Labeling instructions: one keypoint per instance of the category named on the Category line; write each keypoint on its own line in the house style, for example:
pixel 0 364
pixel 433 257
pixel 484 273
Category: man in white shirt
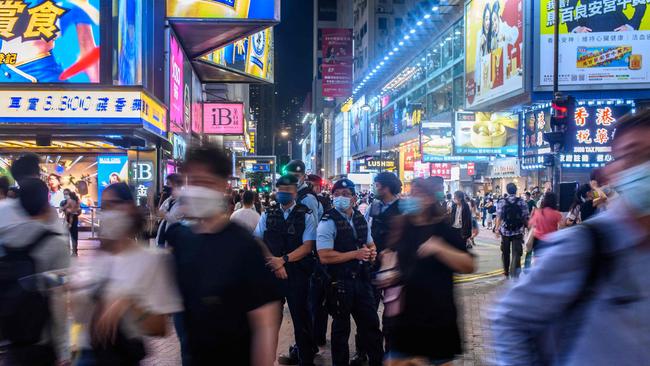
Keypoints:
pixel 246 216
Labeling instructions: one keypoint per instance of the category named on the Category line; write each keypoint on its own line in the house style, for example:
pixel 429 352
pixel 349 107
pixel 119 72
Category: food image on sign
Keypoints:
pixel 486 133
pixel 49 42
pixel 604 56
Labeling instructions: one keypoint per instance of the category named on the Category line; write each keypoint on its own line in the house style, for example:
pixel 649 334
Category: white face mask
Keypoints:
pixel 201 203
pixel 113 224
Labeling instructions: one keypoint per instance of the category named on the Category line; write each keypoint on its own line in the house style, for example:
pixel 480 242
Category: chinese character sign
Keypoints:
pixel 223 118
pixel 337 62
pixel 49 41
pixel 494 31
pixel 176 90
pixel 601 42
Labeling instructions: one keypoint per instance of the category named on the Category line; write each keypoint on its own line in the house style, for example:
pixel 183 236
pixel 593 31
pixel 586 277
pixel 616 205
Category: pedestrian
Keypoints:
pixel 289 233
pixel 461 216
pixel 586 300
pixel 131 292
pixel 345 245
pixel 600 189
pixel 543 222
pixel 4 187
pixel 56 192
pixel 72 209
pixel 317 187
pixel 484 209
pixel 33 319
pixel 247 215
pixel 231 299
pixel 169 210
pixel 582 207
pixel 306 194
pixel 429 252
pixel 512 219
pixel 530 202
pixel 492 213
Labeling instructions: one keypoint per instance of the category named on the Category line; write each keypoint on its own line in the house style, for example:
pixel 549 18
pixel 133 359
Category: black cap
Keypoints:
pixel 287 180
pixel 343 183
pixel 296 166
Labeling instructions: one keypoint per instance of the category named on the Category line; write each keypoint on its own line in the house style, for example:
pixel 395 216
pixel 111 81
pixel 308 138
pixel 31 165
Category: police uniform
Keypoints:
pixel 283 231
pixel 350 291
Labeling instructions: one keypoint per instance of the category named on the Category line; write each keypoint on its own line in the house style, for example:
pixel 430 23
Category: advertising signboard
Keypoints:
pixel 223 118
pixel 176 90
pixel 197 107
pixel 337 62
pixel 49 42
pixel 252 55
pixel 483 133
pixel 589 135
pixel 82 107
pixel 111 169
pixel 129 43
pixel 376 163
pixel 494 49
pixel 261 168
pixel 437 144
pixel 224 9
pixel 441 170
pixel 601 42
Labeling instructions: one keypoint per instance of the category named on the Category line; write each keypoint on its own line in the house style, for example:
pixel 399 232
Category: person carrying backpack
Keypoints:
pixel 32 308
pixel 586 300
pixel 512 219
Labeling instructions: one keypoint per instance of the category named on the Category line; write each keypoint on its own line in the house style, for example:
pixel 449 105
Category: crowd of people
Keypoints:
pixel 224 264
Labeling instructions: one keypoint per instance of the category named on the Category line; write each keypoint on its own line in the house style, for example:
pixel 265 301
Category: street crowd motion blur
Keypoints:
pixel 223 263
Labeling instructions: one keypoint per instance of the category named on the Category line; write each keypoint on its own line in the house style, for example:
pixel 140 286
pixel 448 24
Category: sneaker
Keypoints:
pixel 291 358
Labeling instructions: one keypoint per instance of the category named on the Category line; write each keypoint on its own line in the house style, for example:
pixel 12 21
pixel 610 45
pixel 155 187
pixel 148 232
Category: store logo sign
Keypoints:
pixel 223 118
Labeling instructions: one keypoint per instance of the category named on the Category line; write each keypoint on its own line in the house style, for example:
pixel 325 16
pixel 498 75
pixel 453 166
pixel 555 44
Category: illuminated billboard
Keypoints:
pixel 224 9
pixel 223 118
pixel 602 42
pixel 252 55
pixel 494 49
pixel 49 42
pixel 485 133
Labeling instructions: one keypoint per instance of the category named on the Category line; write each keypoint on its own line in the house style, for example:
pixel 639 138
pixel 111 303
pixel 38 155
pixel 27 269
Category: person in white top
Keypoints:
pixel 246 216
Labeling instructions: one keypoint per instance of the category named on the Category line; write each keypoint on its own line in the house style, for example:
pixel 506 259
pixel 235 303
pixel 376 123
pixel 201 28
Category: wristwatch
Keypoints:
pixel 285 258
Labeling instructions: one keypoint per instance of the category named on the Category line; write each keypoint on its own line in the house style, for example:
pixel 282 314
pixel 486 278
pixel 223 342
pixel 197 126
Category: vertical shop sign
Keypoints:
pixel 337 62
pixel 176 99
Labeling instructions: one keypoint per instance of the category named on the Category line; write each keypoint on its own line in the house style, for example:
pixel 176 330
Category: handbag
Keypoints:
pixel 388 278
pixel 529 240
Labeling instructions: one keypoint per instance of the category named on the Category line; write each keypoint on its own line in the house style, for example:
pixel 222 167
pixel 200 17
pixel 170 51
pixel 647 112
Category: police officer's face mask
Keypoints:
pixel 342 203
pixel 284 198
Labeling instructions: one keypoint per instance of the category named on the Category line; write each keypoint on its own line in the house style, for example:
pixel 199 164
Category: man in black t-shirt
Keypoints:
pixel 230 297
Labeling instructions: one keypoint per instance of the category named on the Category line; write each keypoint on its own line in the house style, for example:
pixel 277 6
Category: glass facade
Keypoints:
pixel 431 84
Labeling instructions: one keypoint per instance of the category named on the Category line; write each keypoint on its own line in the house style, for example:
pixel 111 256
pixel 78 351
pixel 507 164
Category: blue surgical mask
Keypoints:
pixel 284 198
pixel 440 196
pixel 633 185
pixel 410 205
pixel 342 203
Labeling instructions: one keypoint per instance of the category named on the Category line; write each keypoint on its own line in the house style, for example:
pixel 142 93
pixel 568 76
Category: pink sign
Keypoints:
pixel 337 62
pixel 176 107
pixel 223 118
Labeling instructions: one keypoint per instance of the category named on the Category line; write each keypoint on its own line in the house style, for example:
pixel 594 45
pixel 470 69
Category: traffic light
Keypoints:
pixel 282 164
pixel 563 109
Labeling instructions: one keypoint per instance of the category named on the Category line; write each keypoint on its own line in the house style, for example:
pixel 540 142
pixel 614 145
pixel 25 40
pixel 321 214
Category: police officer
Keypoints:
pixel 306 194
pixel 317 186
pixel 288 229
pixel 345 245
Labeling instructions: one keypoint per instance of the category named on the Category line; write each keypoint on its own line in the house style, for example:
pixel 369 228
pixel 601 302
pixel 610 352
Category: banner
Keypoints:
pixel 176 90
pixel 252 55
pixel 337 62
pixel 223 118
pixel 441 170
pixel 224 9
pixel 49 42
pixel 437 144
pixel 493 49
pixel 601 42
pixel 111 169
pixel 588 137
pixel 484 133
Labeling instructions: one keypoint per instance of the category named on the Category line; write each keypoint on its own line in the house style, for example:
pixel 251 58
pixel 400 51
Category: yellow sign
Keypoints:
pixel 223 9
pixel 154 114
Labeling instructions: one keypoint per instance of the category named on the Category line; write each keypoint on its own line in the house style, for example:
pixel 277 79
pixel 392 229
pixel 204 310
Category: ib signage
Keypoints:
pixel 223 118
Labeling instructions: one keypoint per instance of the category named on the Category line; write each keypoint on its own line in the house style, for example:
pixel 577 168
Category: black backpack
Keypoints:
pixel 512 216
pixel 24 309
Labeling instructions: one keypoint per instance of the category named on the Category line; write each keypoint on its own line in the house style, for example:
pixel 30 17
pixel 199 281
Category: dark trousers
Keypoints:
pixel 179 326
pixel 360 303
pixel 74 232
pixel 296 293
pixel 318 309
pixel 33 355
pixel 511 251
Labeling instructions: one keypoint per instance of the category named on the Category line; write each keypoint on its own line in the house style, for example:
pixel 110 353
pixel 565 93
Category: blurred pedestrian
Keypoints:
pixel 306 194
pixel 345 245
pixel 247 215
pixel 131 291
pixel 461 216
pixel 530 202
pixel 582 207
pixel 4 187
pixel 429 252
pixel 586 300
pixel 169 210
pixel 512 219
pixel 544 221
pixel 32 310
pixel 289 233
pixel 231 298
pixel 72 209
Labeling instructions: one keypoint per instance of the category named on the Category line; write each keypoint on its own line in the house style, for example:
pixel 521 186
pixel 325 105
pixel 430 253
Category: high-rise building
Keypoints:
pixel 263 110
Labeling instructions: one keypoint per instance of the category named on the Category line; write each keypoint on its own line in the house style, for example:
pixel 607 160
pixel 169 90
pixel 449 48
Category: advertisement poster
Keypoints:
pixel 588 137
pixel 49 42
pixel 223 118
pixel 494 49
pixel 176 99
pixel 441 170
pixel 197 107
pixel 437 141
pixel 251 55
pixel 224 9
pixel 601 42
pixel 337 62
pixel 484 133
pixel 187 95
pixel 129 43
pixel 111 169
pixel 358 126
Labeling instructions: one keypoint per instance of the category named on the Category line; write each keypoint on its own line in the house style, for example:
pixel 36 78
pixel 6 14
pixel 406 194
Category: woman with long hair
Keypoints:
pixel 429 252
pixel 546 220
pixel 582 207
pixel 72 209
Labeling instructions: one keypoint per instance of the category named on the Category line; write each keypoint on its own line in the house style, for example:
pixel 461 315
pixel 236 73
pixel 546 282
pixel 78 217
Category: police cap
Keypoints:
pixel 343 183
pixel 287 180
pixel 296 166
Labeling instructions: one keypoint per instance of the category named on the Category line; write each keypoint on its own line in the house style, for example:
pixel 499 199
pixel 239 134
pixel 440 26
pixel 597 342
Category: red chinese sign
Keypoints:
pixel 441 170
pixel 471 169
pixel 337 62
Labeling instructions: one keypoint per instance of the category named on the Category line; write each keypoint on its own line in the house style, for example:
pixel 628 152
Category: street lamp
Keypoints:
pixel 283 134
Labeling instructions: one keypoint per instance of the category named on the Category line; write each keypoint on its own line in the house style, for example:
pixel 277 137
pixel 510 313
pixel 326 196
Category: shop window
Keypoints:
pixel 459 93
pixel 459 49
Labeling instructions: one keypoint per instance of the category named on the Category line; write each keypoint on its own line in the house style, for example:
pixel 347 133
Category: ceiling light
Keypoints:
pixel 435 8
pixel 419 22
pixel 391 53
pixel 427 16
pixel 401 43
pixel 422 59
pixel 385 58
pixel 395 49
pixel 381 63
pixel 457 33
pixel 412 31
pixel 407 36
